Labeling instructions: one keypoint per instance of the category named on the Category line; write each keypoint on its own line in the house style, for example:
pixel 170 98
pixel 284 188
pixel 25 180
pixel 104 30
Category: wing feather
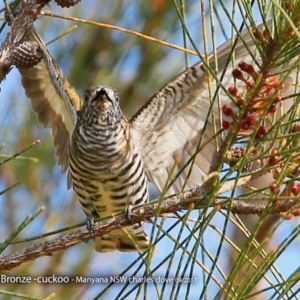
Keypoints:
pixel 171 125
pixel 53 100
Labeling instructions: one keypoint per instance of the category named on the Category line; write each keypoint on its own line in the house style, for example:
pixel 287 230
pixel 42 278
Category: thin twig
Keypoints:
pixel 121 29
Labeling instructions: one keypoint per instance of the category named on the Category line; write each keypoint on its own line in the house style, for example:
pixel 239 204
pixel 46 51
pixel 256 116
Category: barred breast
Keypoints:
pixel 105 168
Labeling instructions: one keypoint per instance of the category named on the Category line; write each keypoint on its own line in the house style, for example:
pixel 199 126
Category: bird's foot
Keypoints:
pixel 89 225
pixel 128 211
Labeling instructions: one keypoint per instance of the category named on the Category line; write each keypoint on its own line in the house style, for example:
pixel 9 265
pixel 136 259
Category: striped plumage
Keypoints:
pixel 105 167
pixel 106 150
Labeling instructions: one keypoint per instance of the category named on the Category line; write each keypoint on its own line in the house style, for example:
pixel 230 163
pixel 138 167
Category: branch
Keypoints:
pixel 20 25
pixel 24 19
pixel 182 201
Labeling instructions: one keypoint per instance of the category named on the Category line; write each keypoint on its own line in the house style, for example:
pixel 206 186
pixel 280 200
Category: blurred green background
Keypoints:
pixel 137 69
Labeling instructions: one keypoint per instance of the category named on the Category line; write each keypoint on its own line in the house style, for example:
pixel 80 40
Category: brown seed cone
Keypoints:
pixel 67 3
pixel 27 55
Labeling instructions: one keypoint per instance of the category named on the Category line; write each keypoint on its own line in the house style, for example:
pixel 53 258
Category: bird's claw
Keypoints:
pixel 89 225
pixel 128 210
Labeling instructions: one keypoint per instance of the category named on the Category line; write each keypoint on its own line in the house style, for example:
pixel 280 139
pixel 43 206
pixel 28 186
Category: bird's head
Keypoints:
pixel 100 102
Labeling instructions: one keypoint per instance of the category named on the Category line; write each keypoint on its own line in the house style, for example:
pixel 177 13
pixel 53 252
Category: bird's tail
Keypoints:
pixel 129 241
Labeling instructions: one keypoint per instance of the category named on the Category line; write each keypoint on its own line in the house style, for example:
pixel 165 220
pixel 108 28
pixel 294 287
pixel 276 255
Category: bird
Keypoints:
pixel 110 158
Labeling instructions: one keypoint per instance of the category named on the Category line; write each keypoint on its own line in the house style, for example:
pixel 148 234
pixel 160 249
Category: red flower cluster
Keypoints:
pixel 262 92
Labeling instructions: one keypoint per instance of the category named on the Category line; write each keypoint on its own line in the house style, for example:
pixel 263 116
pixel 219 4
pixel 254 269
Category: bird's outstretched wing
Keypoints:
pixel 52 98
pixel 171 124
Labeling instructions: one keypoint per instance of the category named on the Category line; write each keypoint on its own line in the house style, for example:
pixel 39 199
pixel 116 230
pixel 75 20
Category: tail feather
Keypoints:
pixel 118 240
